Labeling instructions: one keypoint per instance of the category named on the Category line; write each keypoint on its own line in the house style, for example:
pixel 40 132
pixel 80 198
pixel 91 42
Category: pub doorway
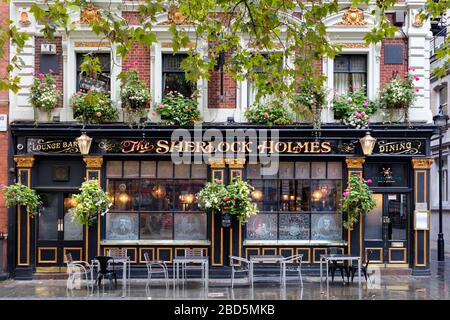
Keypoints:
pixel 386 229
pixel 57 234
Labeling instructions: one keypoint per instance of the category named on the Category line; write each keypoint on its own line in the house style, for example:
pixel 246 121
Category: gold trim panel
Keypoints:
pixel 93 161
pixel 374 261
pixel 355 163
pixel 309 254
pixel 216 162
pixel 146 249
pixel 397 261
pixel 422 163
pixel 72 249
pixel 158 255
pixel 54 249
pixel 24 161
pixel 314 254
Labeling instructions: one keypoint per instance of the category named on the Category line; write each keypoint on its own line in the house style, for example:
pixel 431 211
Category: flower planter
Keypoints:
pixel 42 116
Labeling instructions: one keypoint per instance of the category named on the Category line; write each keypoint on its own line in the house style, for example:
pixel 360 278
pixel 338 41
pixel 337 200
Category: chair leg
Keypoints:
pixel 232 278
pixel 365 273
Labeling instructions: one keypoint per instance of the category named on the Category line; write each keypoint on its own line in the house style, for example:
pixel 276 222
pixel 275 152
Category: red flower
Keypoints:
pixel 369 181
pixel 51 71
pixel 40 75
pixel 226 198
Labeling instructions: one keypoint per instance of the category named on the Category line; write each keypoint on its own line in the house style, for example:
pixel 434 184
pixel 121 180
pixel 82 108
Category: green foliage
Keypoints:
pixel 354 108
pixel 175 109
pixel 89 202
pixel 18 194
pixel 43 94
pixel 234 198
pixel 91 66
pixel 93 107
pixel 356 200
pixel 135 96
pixel 269 113
pixel 310 101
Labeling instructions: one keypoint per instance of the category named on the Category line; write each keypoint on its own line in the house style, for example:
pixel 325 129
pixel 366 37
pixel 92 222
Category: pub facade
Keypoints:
pixel 154 171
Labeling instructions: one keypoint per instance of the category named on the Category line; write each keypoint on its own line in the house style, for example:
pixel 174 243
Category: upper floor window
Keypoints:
pixel 102 82
pixel 443 98
pixel 350 73
pixel 173 77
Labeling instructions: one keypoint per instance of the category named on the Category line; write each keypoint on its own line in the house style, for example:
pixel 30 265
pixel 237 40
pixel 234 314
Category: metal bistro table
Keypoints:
pixel 185 260
pixel 266 259
pixel 126 267
pixel 339 257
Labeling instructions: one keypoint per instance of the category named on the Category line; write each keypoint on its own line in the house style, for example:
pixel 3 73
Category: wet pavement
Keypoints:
pixel 379 287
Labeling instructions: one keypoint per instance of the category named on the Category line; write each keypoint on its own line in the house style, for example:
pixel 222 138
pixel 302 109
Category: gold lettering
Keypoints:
pixel 326 147
pixel 162 146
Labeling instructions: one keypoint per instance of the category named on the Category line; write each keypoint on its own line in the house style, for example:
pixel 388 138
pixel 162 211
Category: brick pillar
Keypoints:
pixel 354 236
pixel 420 257
pixel 92 233
pixel 25 245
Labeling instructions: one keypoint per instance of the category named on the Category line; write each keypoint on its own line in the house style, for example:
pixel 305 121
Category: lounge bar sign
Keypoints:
pixel 46 146
pixel 402 147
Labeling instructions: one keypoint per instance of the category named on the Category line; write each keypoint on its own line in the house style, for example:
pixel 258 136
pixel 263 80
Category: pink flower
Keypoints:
pixel 346 194
pixel 417 89
pixel 153 114
pixel 358 115
pixel 369 181
pixel 129 66
pixel 51 71
pixel 412 69
pixel 40 75
pixel 98 114
pixel 226 198
pixel 416 78
pixel 366 103
pixel 135 63
pixel 161 106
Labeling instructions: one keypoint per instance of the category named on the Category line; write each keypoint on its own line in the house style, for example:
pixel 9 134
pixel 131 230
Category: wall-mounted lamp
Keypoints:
pixel 367 144
pixel 256 195
pixel 84 143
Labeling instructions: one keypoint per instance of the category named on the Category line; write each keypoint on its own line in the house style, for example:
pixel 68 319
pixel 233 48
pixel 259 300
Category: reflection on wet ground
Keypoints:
pixel 379 287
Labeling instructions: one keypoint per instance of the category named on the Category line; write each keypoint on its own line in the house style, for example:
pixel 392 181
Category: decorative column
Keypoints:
pixel 236 168
pixel 217 166
pixel 92 234
pixel 421 240
pixel 25 223
pixel 354 238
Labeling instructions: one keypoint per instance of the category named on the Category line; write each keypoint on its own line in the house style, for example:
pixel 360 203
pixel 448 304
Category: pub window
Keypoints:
pixel 350 73
pixel 173 77
pixel 155 200
pixel 103 81
pixel 300 202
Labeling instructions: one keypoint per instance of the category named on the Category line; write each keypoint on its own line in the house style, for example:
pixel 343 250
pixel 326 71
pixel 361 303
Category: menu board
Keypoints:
pixel 99 84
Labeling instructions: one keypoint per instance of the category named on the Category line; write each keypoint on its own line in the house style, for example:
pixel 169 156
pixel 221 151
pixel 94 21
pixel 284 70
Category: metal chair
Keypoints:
pixel 239 265
pixel 76 270
pixel 364 268
pixel 337 264
pixel 116 254
pixel 293 263
pixel 192 266
pixel 155 267
pixel 104 272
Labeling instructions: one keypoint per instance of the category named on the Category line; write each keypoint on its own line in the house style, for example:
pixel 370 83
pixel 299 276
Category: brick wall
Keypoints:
pixel 131 17
pixel 4 14
pixel 388 71
pixel 37 59
pixel 139 55
pixel 228 99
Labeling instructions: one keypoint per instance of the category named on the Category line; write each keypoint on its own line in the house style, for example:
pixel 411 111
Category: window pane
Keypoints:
pixel 72 229
pixel 114 169
pixel 358 63
pixel 173 62
pixel 265 194
pixel 286 170
pixel 199 171
pixel 121 226
pixel 165 169
pixel 190 226
pixel 148 169
pixel 334 170
pixel 325 195
pixel 156 226
pixel 397 205
pixel 302 170
pixel 372 221
pixel 290 198
pixel 341 83
pixel 294 226
pixel 177 82
pixel 262 227
pixel 182 171
pixel 341 64
pixel 253 171
pixel 318 170
pixel 326 227
pixel 48 220
pixel 156 195
pixel 184 194
pixel 131 169
pixel 126 195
